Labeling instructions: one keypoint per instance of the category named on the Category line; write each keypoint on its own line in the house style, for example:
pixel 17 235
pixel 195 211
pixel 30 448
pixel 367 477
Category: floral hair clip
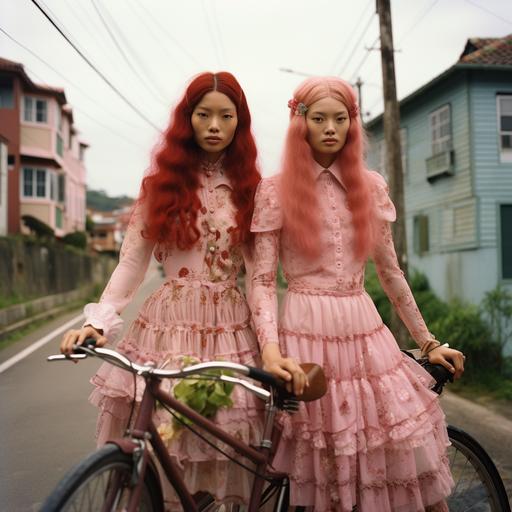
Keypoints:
pixel 354 111
pixel 298 108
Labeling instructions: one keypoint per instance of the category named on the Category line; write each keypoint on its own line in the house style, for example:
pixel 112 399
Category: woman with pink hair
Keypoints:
pixel 377 440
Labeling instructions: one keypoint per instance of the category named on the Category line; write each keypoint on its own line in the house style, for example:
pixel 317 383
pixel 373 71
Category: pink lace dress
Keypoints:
pixel 198 312
pixel 377 440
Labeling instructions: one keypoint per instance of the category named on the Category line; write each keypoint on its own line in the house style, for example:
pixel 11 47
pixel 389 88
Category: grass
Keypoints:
pixel 32 326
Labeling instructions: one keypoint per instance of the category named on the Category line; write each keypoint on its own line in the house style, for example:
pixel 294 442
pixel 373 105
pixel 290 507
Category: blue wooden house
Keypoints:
pixel 456 134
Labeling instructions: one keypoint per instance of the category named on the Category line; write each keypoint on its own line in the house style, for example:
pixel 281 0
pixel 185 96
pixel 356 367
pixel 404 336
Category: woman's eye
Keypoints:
pixel 317 119
pixel 341 119
pixel 228 116
pixel 202 115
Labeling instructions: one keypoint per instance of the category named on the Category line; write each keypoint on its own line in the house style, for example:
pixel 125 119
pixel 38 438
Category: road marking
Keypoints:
pixel 38 344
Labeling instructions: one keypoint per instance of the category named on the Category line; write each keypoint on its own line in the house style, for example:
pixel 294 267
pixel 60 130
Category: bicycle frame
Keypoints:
pixel 144 425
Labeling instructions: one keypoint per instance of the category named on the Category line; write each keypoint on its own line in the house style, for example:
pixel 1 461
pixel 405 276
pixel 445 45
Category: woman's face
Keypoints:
pixel 214 122
pixel 328 122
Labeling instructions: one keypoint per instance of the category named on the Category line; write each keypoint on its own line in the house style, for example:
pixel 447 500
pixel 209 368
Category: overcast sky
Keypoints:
pixel 166 42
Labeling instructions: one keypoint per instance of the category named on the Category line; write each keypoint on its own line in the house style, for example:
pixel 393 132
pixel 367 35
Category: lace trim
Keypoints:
pixel 360 374
pixel 306 290
pixel 192 327
pixel 327 337
pixel 127 347
pixel 198 282
pixel 407 483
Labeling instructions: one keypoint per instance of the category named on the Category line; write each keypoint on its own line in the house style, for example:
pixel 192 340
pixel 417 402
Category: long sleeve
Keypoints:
pixel 263 295
pixel 266 224
pixel 129 273
pixel 390 275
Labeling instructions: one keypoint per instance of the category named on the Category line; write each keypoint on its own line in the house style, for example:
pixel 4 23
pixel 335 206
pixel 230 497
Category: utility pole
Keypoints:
pixel 393 153
pixel 359 85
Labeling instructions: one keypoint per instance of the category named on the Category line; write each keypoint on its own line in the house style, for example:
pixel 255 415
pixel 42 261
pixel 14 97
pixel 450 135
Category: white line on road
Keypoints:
pixel 38 344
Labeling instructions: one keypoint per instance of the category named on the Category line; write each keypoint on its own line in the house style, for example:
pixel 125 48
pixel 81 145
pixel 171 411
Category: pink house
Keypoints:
pixel 46 171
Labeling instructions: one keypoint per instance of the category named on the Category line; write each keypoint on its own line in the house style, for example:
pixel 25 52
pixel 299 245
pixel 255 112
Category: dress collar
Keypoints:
pixel 334 170
pixel 214 173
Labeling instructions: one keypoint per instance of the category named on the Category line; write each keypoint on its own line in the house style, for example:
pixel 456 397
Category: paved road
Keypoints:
pixel 491 430
pixel 47 424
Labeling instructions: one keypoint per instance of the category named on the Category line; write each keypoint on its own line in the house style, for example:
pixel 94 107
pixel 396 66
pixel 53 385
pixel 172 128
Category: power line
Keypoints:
pixel 150 31
pixel 363 33
pixel 124 55
pixel 346 43
pixel 418 20
pixel 76 86
pixel 96 70
pixel 489 12
pixel 168 34
pixel 83 112
pixel 363 60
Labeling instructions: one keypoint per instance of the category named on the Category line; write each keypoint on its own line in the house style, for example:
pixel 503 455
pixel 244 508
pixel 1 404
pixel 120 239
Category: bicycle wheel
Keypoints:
pixel 478 485
pixel 101 482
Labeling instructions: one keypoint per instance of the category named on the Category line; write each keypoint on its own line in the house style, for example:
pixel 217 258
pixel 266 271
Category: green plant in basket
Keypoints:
pixel 203 395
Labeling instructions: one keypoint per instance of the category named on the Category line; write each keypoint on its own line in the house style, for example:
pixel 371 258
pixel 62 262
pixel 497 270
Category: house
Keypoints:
pixel 456 134
pixel 109 229
pixel 46 170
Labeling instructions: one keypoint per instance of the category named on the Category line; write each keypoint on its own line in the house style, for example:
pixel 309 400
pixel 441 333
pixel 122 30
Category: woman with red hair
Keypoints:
pixel 194 215
pixel 376 442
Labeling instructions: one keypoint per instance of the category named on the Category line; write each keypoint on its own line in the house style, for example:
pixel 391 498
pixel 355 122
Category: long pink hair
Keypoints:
pixel 301 212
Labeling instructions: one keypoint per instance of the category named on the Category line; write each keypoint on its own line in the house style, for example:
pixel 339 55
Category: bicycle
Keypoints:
pixel 123 476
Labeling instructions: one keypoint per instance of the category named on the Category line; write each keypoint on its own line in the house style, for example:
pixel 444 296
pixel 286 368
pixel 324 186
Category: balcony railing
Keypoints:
pixel 441 164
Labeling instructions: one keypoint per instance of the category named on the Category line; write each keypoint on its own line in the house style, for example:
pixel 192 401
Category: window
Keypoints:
pixel 441 130
pixel 28 182
pixel 506 240
pixel 420 231
pixel 505 126
pixel 6 93
pixel 61 188
pixel 35 110
pixel 40 183
pixel 58 118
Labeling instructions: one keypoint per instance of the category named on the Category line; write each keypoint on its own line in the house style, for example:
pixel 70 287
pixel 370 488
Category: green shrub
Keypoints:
pixel 38 227
pixel 76 239
pixel 464 328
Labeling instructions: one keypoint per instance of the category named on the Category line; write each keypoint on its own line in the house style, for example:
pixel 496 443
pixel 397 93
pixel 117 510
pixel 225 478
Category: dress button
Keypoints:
pixel 209 173
pixel 338 249
pixel 337 234
pixel 212 210
pixel 211 248
pixel 210 190
pixel 338 264
pixel 212 230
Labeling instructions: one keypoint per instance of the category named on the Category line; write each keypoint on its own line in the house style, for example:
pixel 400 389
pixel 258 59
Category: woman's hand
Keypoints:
pixel 284 368
pixel 450 358
pixel 78 336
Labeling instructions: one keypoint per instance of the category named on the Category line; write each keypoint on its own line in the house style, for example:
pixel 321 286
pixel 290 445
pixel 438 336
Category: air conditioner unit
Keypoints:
pixel 441 164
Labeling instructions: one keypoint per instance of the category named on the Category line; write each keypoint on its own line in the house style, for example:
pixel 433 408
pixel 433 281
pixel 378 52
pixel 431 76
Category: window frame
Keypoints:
pixel 440 143
pixel 34 110
pixel 500 224
pixel 50 184
pixel 505 156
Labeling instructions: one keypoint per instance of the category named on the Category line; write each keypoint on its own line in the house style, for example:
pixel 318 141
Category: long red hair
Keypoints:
pixel 301 213
pixel 169 192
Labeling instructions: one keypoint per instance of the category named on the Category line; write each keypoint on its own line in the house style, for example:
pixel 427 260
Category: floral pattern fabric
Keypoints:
pixel 377 439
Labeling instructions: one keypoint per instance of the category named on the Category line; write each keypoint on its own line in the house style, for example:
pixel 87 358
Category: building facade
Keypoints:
pixel 46 169
pixel 456 134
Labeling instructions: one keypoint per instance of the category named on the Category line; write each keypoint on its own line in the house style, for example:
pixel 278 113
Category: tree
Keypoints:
pixel 38 227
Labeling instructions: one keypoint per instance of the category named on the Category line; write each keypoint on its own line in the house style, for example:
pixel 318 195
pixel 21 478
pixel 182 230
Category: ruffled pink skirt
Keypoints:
pixel 378 438
pixel 205 321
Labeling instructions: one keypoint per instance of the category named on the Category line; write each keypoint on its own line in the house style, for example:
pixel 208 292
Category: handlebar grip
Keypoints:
pixel 88 343
pixel 264 377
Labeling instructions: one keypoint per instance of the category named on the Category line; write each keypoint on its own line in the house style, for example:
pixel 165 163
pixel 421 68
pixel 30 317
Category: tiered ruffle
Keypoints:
pixel 206 323
pixel 378 437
